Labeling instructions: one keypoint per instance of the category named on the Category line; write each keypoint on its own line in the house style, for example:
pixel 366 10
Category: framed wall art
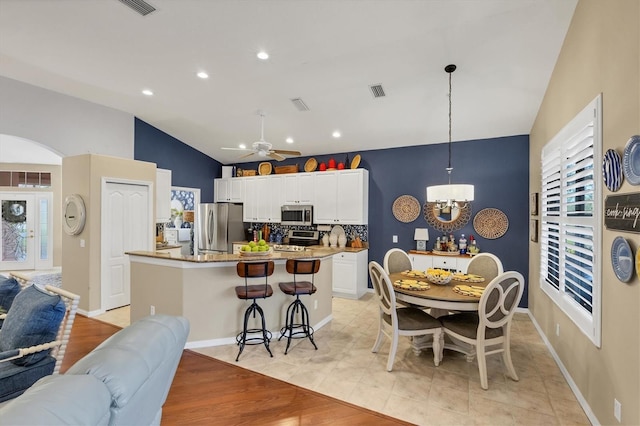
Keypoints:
pixel 533 204
pixel 533 230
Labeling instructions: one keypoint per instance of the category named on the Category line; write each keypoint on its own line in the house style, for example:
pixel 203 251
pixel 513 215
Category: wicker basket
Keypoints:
pixel 264 169
pixel 246 172
pixel 293 168
pixel 310 165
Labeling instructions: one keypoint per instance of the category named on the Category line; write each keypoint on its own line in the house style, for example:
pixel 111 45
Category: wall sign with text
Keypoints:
pixel 622 212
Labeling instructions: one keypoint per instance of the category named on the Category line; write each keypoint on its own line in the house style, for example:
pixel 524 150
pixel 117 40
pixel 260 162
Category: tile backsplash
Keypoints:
pixel 351 231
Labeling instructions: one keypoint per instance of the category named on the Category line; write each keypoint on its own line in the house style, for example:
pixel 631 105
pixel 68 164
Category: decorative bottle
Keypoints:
pixel 462 244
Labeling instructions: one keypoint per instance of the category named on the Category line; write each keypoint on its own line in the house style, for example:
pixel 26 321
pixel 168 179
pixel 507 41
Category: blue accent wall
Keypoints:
pixel 189 167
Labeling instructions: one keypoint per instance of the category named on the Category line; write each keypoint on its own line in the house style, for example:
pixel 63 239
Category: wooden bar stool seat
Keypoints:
pixel 254 270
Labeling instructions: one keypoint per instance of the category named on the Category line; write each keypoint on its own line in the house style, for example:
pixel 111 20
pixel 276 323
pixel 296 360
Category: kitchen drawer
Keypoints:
pixel 442 262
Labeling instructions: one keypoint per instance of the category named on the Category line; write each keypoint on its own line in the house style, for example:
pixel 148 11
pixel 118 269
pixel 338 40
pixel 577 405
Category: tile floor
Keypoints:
pixel 416 391
pixel 120 317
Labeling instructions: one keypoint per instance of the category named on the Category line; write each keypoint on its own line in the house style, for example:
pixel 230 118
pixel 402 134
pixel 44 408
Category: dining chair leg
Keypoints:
pixel 506 357
pixel 376 345
pixel 482 368
pixel 392 351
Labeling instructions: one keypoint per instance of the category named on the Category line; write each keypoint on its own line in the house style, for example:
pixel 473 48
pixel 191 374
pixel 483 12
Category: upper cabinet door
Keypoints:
pixel 228 190
pixel 342 197
pixel 236 190
pixel 325 207
pixel 298 188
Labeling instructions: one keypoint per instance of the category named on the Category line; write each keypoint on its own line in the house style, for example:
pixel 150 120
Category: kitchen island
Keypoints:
pixel 202 289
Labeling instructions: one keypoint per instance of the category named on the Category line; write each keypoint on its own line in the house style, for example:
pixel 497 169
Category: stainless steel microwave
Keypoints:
pixel 296 215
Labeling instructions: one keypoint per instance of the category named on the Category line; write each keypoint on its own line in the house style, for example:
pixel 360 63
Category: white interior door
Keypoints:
pixel 126 227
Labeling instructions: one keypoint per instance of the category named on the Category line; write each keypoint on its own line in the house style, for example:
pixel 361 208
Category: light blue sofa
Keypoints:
pixel 124 381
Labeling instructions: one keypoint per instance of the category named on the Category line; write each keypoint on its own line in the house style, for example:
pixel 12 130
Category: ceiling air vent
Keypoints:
pixel 299 103
pixel 140 6
pixel 377 90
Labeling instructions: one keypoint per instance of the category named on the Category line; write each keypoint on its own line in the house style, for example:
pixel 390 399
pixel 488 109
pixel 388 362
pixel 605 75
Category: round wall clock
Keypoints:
pixel 75 214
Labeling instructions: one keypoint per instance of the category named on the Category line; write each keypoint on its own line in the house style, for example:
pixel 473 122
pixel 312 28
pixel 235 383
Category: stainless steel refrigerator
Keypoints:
pixel 220 224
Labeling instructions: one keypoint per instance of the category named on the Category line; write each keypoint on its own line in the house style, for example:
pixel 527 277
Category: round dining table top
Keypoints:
pixel 437 295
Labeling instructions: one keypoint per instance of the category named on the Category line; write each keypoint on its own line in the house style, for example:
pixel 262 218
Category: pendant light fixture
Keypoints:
pixel 450 195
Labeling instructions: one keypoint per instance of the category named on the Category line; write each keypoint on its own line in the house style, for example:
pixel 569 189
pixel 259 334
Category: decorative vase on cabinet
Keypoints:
pixel 178 222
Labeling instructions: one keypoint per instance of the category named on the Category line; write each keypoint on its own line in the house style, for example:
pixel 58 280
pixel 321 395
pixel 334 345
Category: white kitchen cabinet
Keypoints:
pixel 228 190
pixel 262 199
pixel 341 197
pixel 163 195
pixel 454 263
pixel 298 188
pixel 350 276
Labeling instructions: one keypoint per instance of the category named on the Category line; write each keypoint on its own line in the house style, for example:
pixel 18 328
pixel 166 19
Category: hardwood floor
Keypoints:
pixel 206 391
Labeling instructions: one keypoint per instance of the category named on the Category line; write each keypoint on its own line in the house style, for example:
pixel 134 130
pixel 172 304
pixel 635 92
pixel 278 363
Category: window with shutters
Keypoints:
pixel 571 222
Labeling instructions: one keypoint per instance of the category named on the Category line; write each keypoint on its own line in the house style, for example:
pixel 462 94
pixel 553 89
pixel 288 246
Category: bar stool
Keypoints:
pixel 293 330
pixel 255 291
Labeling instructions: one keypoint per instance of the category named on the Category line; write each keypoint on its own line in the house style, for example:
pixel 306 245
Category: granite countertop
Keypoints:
pixel 311 252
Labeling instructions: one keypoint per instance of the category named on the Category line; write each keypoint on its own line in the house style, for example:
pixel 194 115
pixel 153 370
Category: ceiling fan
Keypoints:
pixel 264 149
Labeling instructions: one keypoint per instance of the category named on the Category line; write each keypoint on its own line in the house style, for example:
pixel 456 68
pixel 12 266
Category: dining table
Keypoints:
pixel 442 300
pixel 437 297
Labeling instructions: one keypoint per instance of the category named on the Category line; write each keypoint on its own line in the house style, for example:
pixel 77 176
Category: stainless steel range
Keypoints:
pixel 298 241
pixel 303 238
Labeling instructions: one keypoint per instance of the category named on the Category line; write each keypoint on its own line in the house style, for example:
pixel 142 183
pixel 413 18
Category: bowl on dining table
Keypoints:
pixel 439 276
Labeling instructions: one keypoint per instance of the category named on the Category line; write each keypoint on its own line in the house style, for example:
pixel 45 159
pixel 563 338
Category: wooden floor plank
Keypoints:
pixel 206 391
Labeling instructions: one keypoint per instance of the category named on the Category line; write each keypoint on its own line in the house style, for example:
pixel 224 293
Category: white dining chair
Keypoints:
pixel 487 265
pixel 394 322
pixel 396 260
pixel 489 331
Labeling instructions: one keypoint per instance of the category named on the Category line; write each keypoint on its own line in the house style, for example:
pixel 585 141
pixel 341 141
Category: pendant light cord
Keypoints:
pixel 449 69
pixel 450 123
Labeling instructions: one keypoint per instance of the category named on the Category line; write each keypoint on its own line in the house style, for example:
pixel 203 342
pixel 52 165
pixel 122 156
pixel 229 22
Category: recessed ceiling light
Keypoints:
pixel 336 134
pixel 289 140
pixel 263 55
pixel 242 146
pixel 203 75
pixel 147 92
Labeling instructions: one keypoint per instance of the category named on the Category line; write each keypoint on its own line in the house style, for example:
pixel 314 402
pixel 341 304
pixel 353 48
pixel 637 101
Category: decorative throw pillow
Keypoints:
pixel 34 319
pixel 9 288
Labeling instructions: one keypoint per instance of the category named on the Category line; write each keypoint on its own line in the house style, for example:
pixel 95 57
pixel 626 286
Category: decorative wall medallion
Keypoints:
pixel 491 223
pixel 406 208
pixel 449 221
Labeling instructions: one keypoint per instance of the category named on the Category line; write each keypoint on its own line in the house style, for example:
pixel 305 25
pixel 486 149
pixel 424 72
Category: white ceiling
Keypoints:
pixel 325 52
